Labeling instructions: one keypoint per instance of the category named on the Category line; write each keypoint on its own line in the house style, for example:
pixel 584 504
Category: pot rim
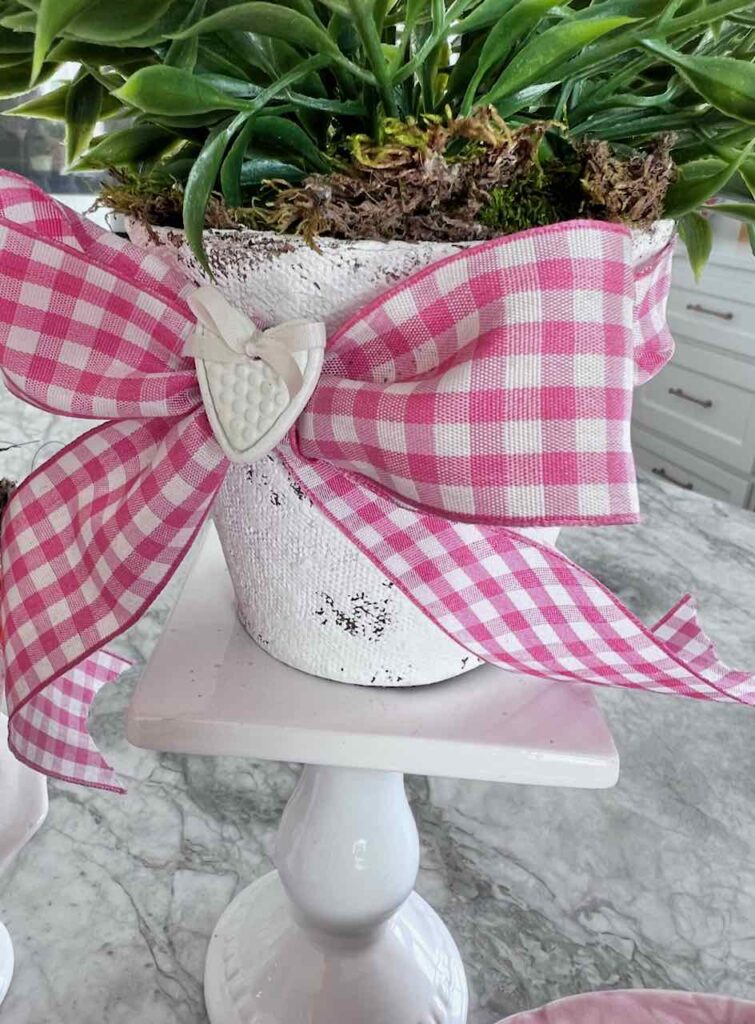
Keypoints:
pixel 664 228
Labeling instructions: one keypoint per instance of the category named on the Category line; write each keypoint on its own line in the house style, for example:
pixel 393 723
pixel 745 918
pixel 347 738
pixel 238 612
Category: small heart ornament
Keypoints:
pixel 254 383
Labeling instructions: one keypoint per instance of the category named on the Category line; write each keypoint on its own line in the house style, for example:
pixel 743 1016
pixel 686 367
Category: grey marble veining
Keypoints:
pixel 547 892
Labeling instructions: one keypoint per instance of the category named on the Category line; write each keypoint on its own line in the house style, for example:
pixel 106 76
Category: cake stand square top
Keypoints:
pixel 209 689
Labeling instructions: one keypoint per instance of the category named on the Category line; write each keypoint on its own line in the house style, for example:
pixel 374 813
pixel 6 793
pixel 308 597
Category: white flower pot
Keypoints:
pixel 305 592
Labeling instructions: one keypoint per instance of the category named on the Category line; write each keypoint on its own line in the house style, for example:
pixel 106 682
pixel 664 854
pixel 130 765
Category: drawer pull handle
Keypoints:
pixel 697 307
pixel 661 472
pixel 706 403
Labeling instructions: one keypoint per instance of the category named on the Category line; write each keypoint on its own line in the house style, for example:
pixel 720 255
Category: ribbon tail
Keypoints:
pixel 49 733
pixel 681 631
pixel 88 542
pixel 516 603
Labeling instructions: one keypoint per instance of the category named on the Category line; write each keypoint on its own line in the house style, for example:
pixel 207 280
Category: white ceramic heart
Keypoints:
pixel 249 406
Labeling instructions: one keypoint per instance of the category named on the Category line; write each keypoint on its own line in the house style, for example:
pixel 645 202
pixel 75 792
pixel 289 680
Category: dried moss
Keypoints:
pixel 158 202
pixel 631 189
pixel 441 180
pixel 417 184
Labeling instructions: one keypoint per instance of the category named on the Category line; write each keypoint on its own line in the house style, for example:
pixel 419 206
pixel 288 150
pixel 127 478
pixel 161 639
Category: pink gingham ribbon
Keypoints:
pixel 491 389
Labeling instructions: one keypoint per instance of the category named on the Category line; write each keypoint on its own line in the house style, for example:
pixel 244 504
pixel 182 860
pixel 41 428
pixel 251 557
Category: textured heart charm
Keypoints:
pixel 254 383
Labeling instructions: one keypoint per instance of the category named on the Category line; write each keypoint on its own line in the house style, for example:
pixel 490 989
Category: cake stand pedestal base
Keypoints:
pixel 337 934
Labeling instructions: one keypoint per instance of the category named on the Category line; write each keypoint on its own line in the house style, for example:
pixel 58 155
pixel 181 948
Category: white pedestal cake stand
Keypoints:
pixel 337 935
pixel 23 807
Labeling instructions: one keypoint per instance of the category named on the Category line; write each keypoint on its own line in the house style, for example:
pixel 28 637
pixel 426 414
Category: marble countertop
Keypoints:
pixel 547 892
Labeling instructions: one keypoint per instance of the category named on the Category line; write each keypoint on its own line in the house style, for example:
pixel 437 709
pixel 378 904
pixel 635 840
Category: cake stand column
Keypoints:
pixel 337 932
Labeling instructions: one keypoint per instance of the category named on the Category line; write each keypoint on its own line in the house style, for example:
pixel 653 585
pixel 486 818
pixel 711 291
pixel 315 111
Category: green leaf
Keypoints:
pixel 76 50
pixel 10 60
pixel 50 106
pixel 182 53
pixel 641 9
pixel 747 174
pixel 549 49
pixel 172 91
pixel 200 184
pixel 185 124
pixel 286 137
pixel 699 180
pixel 305 7
pixel 524 98
pixel 464 68
pixel 365 25
pixel 708 13
pixel 247 52
pixel 127 148
pixel 82 114
pixel 230 172
pixel 751 237
pixel 54 15
pixel 14 81
pixel 697 234
pixel 242 163
pixel 488 12
pixel 100 24
pixel 23 21
pixel 16 42
pixel 728 84
pixel 205 171
pixel 267 19
pixel 348 108
pixel 505 35
pixel 739 211
pixel 259 167
pixel 239 88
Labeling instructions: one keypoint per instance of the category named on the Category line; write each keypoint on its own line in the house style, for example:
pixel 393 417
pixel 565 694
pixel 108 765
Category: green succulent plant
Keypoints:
pixel 222 97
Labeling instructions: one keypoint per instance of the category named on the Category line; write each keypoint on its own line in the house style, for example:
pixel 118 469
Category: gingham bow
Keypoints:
pixel 491 389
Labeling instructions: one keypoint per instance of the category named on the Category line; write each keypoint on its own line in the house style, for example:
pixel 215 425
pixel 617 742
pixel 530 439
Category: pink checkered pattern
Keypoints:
pixel 92 326
pixel 517 603
pixel 496 386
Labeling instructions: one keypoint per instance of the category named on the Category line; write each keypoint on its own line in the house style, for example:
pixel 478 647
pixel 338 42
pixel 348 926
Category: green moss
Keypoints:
pixel 532 201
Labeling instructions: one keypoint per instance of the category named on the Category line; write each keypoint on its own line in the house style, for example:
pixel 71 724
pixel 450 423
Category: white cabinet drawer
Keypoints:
pixel 706 400
pixel 718 282
pixel 724 322
pixel 692 473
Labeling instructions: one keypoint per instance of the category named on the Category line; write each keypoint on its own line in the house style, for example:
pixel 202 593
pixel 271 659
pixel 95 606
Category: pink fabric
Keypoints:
pixel 520 604
pixel 640 1006
pixel 488 347
pixel 495 386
